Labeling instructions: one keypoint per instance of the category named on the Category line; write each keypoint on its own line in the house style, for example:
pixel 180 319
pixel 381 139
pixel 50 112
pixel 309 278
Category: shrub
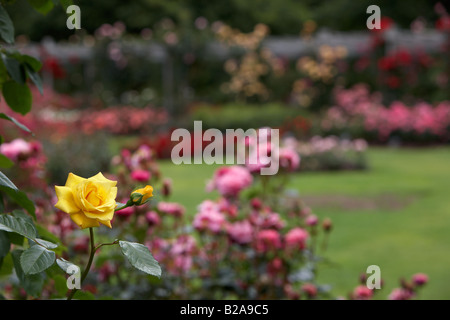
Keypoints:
pixel 244 116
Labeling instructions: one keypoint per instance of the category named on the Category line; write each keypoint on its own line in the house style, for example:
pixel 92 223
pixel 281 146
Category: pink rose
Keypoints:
pixel 211 220
pixel 152 218
pixel 172 208
pixel 15 148
pixel 289 159
pixel 310 290
pixel 420 279
pixel 230 181
pixel 400 294
pixel 140 175
pixel 241 232
pixel 296 238
pixel 362 293
pixel 267 240
pixel 311 220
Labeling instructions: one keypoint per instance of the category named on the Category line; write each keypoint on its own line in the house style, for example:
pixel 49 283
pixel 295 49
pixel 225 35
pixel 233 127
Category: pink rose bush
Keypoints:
pixel 248 240
pixel 358 109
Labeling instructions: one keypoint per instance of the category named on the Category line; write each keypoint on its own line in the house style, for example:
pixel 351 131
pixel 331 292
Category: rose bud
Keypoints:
pixel 327 224
pixel 167 187
pixel 141 196
pixel 419 279
pixel 311 220
pixel 256 203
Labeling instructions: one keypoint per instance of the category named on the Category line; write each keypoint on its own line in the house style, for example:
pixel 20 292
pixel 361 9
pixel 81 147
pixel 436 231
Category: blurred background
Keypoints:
pixel 367 111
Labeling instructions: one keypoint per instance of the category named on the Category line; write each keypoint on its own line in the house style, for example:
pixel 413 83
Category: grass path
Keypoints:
pixel 404 230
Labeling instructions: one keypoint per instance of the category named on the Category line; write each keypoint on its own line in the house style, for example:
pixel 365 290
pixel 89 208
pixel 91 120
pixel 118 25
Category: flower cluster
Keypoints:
pixel 406 291
pixel 356 107
pixel 316 74
pixel 405 72
pixel 329 153
pixel 255 63
pixel 123 120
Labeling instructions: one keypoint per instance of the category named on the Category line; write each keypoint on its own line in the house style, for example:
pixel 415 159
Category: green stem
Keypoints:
pixel 106 244
pixel 128 204
pixel 88 266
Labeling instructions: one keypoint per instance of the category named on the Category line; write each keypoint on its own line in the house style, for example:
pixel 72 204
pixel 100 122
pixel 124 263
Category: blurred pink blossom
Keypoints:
pixel 231 180
pixel 152 218
pixel 289 159
pixel 240 232
pixel 400 294
pixel 311 220
pixel 209 218
pixel 420 279
pixel 140 175
pixel 362 293
pixel 267 240
pixel 296 238
pixel 171 208
pixel 14 149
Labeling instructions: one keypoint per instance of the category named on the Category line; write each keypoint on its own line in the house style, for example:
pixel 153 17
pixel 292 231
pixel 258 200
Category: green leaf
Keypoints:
pixel 21 199
pixel 34 76
pixel 140 257
pixel 42 6
pixel 17 96
pixel 20 214
pixel 60 284
pixel 19 225
pixel 46 244
pixel 5 162
pixel 47 235
pixel 65 265
pixel 34 63
pixel 16 238
pixel 6 26
pixel 31 283
pixel 13 65
pixel 6 265
pixel 83 295
pixel 17 123
pixel 16 195
pixel 36 259
pixel 66 3
pixel 5 244
pixel 5 182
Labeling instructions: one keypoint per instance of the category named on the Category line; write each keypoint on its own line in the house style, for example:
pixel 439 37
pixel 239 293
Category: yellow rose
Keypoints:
pixel 89 202
pixel 141 196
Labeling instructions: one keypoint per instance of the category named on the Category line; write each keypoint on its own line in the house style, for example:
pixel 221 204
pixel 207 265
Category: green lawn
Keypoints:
pixel 395 215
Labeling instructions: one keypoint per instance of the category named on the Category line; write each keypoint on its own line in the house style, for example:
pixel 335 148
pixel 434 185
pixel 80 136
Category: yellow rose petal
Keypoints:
pixel 113 193
pixel 106 223
pixel 66 201
pixel 100 216
pixel 73 180
pixel 84 222
pixel 99 177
